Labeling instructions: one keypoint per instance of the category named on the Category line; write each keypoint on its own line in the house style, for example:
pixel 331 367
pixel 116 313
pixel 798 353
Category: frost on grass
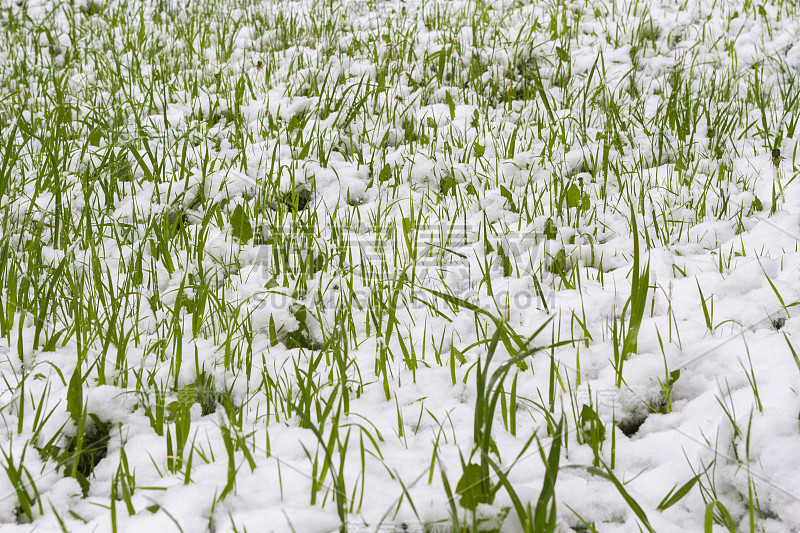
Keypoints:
pixel 375 266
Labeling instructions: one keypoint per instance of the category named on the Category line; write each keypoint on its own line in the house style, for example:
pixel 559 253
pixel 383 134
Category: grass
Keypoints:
pixel 324 241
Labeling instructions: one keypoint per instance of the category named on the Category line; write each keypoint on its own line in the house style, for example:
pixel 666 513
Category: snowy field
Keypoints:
pixel 363 266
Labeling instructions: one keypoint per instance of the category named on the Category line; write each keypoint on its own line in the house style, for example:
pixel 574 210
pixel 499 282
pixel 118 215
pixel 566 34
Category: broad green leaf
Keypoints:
pixel 505 193
pixel 586 203
pixel 306 149
pixel 558 264
pixel 589 416
pixel 470 487
pixel 95 137
pixel 550 230
pixel 448 184
pixel 273 334
pixel 408 226
pixel 505 262
pixel 173 408
pixel 386 173
pixel 242 229
pixel 187 395
pixel 451 104
pixel 75 395
pixel 573 196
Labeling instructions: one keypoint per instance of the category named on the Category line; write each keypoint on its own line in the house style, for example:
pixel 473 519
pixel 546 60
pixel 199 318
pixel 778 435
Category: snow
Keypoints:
pixel 401 208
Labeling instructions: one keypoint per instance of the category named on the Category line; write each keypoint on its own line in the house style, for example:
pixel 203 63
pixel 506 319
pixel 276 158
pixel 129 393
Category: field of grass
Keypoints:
pixel 372 266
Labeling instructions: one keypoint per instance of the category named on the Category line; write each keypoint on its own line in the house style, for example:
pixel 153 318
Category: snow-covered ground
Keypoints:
pixel 399 266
